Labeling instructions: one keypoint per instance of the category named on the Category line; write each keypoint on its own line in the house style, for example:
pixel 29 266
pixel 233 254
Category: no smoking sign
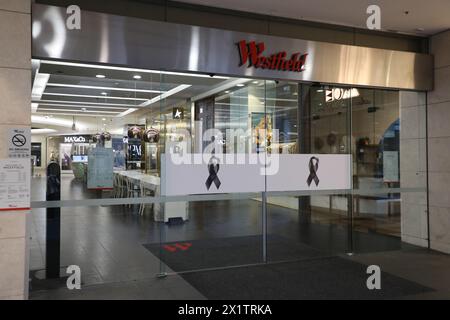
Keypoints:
pixel 20 142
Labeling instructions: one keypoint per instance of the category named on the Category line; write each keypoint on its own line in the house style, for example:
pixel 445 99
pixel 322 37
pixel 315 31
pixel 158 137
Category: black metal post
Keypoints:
pixel 53 231
pixel 304 143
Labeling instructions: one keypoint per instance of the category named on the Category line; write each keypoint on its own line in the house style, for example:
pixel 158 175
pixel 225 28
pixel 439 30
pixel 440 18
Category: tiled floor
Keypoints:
pixel 107 244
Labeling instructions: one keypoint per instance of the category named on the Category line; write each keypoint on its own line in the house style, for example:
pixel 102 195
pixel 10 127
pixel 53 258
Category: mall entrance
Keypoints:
pixel 180 159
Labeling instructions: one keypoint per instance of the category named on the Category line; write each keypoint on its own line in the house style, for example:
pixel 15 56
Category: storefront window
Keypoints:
pixel 144 119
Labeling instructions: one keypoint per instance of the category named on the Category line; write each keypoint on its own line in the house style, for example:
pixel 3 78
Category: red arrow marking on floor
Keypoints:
pixel 176 246
pixel 183 246
pixel 170 248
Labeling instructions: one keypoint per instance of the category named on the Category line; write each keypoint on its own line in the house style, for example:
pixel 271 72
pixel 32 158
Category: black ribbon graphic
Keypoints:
pixel 313 168
pixel 213 168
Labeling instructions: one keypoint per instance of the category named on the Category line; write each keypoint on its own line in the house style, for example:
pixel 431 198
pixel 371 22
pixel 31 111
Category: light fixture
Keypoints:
pixel 173 91
pixel 34 107
pixel 100 76
pixel 104 94
pixel 92 66
pixel 42 131
pixel 126 112
pixel 228 91
pixel 63 102
pixel 255 82
pixel 77 106
pixel 319 90
pixel 137 77
pixel 90 96
pixel 104 119
pixel 39 85
pixel 240 85
pixel 55 110
pixel 54 121
pixel 63 85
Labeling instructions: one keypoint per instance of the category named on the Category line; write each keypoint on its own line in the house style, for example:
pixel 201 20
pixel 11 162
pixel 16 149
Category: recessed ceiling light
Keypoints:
pixel 104 94
pixel 100 76
pixel 228 91
pixel 83 109
pixel 320 90
pixel 255 82
pixel 240 85
pixel 137 77
pixel 104 119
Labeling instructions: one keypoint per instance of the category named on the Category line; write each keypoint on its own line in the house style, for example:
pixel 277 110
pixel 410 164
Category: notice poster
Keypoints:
pixel 100 169
pixel 19 142
pixel 390 166
pixel 15 184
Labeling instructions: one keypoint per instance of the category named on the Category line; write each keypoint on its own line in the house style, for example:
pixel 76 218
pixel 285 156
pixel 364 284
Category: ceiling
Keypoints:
pixel 105 97
pixel 76 89
pixel 91 98
pixel 424 17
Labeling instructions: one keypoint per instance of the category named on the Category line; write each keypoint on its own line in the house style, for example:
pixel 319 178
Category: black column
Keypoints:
pixel 53 231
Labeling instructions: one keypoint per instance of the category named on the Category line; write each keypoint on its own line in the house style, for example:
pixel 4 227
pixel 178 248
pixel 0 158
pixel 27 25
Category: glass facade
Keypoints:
pixel 162 114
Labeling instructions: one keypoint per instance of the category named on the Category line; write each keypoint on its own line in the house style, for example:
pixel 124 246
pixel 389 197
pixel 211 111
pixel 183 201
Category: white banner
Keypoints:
pixel 284 172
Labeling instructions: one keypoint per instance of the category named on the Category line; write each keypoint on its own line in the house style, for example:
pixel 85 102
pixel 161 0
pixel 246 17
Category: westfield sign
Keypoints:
pixel 251 53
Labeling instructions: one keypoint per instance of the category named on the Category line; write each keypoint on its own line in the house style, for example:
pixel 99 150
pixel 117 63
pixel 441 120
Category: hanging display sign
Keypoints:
pixel 391 166
pixel 100 169
pixel 15 184
pixel 236 173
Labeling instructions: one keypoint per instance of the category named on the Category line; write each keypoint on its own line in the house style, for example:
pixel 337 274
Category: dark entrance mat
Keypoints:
pixel 319 277
pixel 226 252
pixel 324 278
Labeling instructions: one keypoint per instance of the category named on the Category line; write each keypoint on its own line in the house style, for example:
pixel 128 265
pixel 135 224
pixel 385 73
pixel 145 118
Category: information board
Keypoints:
pixel 15 184
pixel 100 169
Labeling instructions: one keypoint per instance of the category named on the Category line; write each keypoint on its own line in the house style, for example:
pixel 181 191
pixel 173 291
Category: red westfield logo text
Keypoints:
pixel 251 53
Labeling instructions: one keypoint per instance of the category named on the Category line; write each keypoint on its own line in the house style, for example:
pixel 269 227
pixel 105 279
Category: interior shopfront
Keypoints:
pixel 343 127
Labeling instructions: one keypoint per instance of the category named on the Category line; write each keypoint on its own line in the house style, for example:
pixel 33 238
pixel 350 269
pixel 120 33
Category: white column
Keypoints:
pixel 15 110
pixel 413 170
pixel 439 144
